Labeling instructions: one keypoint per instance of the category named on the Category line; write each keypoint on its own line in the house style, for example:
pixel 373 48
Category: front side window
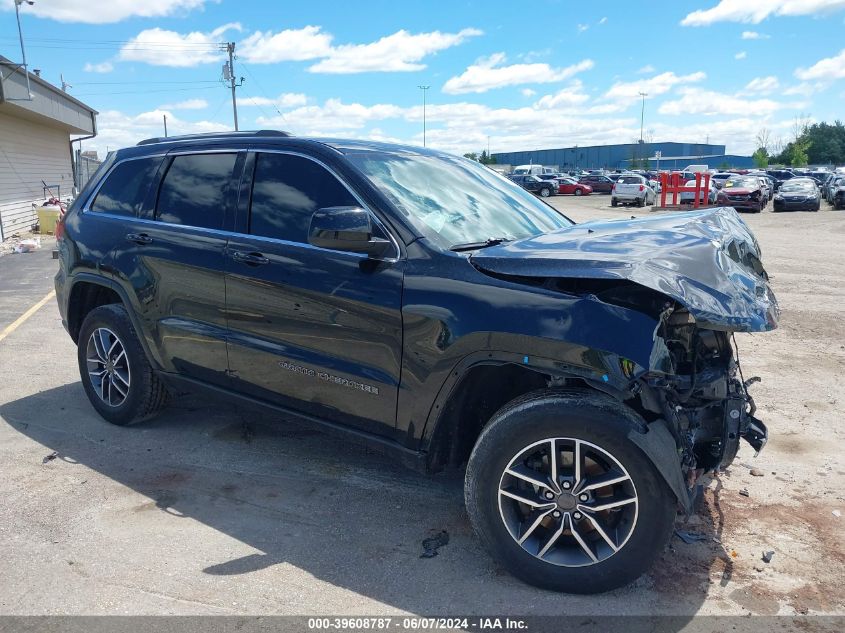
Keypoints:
pixel 125 188
pixel 286 192
pixel 455 201
pixel 195 189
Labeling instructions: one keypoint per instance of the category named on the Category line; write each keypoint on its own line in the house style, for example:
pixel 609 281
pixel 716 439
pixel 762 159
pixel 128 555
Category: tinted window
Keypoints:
pixel 630 180
pixel 287 190
pixel 124 190
pixel 194 190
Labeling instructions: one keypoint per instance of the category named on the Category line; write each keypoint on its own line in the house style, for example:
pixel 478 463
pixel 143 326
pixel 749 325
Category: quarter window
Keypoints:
pixel 194 190
pixel 125 188
pixel 286 192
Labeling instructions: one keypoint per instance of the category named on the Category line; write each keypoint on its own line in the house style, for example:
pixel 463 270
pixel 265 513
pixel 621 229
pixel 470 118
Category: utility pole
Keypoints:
pixel 424 89
pixel 165 125
pixel 229 75
pixel 18 3
pixel 642 115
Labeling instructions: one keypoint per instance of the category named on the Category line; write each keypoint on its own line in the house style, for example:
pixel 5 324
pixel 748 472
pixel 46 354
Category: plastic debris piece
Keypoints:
pixel 836 513
pixel 50 457
pixel 767 556
pixel 27 246
pixel 733 553
pixel 744 492
pixel 690 537
pixel 432 543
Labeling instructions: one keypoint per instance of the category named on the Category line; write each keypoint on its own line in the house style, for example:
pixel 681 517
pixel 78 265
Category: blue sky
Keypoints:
pixel 546 73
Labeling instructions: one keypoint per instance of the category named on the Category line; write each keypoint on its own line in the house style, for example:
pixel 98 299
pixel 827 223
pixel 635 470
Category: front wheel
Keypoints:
pixel 562 498
pixel 613 202
pixel 577 192
pixel 545 192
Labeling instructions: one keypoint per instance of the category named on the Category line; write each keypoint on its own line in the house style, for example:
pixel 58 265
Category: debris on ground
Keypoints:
pixel 767 556
pixel 836 513
pixel 744 492
pixel 756 472
pixel 690 537
pixel 432 543
pixel 50 457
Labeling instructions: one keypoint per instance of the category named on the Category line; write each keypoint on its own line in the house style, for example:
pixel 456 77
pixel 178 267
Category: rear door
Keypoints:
pixel 174 263
pixel 316 330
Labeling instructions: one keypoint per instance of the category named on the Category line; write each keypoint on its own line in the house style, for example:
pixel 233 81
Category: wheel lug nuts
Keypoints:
pixel 584 497
pixel 576 516
pixel 550 495
pixel 556 514
pixel 566 485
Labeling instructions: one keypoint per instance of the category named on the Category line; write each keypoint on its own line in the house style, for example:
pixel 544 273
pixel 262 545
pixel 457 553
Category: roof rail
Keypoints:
pixel 210 135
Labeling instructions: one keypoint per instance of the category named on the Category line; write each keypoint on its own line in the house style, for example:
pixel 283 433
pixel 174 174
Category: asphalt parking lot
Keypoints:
pixel 211 509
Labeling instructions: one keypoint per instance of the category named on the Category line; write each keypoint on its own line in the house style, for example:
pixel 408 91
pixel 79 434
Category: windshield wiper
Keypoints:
pixel 471 246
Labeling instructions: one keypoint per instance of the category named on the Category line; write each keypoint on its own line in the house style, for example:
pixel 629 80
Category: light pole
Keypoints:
pixel 642 115
pixel 424 89
pixel 18 3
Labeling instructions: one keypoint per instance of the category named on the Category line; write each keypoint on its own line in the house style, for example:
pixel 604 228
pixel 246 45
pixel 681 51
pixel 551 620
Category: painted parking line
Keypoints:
pixel 22 318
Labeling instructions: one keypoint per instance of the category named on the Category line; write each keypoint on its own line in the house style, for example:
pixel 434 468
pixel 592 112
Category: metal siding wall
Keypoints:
pixel 30 153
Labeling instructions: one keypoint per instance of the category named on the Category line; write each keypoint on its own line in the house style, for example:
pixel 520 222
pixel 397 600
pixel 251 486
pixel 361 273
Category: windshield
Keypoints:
pixel 742 183
pixel 454 200
pixel 796 186
pixel 630 180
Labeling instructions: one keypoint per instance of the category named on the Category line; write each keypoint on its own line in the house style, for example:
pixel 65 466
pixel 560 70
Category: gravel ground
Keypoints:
pixel 213 509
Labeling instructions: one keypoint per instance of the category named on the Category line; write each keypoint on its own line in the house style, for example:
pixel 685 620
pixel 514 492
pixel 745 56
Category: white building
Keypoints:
pixel 35 150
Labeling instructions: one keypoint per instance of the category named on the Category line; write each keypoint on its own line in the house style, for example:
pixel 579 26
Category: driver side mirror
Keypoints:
pixel 347 229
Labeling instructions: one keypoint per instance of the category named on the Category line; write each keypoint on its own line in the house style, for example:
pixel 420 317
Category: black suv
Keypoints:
pixel 433 309
pixel 535 184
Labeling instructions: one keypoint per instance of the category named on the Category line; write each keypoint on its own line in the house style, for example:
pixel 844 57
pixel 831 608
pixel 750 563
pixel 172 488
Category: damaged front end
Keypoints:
pixel 699 275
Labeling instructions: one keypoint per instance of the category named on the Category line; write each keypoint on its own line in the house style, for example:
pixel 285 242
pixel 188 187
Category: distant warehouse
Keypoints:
pixel 37 120
pixel 623 156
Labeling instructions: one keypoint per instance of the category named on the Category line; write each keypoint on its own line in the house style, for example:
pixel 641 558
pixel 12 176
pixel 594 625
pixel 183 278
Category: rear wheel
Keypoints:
pixel 641 202
pixel 613 202
pixel 562 498
pixel 545 192
pixel 115 372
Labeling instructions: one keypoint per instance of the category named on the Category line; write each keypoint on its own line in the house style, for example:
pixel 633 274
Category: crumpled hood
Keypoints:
pixel 709 261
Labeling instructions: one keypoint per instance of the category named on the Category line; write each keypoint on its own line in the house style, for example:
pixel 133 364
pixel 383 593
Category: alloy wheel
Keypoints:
pixel 568 502
pixel 108 367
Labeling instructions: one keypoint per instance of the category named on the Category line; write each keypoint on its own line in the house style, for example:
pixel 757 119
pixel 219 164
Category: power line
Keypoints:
pixel 135 83
pixel 262 91
pixel 140 92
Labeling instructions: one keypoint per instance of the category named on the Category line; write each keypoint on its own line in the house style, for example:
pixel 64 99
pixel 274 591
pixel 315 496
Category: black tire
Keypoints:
pixel 641 202
pixel 146 393
pixel 578 192
pixel 613 202
pixel 545 192
pixel 594 418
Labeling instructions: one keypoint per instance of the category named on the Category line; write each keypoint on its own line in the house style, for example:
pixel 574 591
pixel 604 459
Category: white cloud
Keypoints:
pixel 400 52
pixel 657 85
pixel 106 12
pixel 754 35
pixel 824 69
pixel 285 100
pixel 763 85
pixel 755 11
pixel 332 115
pixel 710 103
pixel 805 88
pixel 267 47
pixel 648 68
pixel 603 21
pixel 488 73
pixel 159 47
pixel 102 67
pixel 572 95
pixel 583 27
pixel 528 92
pixel 741 55
pixel 187 104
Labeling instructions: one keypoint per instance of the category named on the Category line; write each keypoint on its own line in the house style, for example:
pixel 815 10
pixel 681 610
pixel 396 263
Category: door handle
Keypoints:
pixel 250 259
pixel 139 238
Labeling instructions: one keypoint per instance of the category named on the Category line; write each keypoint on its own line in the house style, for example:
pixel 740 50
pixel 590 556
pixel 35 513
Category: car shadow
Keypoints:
pixel 346 515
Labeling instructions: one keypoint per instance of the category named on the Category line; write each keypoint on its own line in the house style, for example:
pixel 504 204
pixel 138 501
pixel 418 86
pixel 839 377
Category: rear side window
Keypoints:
pixel 124 189
pixel 630 180
pixel 286 192
pixel 194 190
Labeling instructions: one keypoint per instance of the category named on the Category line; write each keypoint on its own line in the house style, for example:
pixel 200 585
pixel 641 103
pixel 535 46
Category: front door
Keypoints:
pixel 316 330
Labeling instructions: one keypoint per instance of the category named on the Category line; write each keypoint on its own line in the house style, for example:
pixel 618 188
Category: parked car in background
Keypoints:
pixel 837 196
pixel 598 183
pixel 572 186
pixel 798 194
pixel 542 188
pixel 780 176
pixel 522 170
pixel 742 193
pixel 632 189
pixel 765 185
pixel 833 183
pixel 688 197
pixel 719 178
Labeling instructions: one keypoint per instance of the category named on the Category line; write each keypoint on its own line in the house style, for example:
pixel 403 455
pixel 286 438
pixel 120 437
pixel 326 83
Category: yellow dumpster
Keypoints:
pixel 47 218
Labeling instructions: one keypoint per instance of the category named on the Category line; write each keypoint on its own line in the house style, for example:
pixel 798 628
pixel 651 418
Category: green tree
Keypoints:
pixel 484 159
pixel 798 152
pixel 760 158
pixel 471 156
